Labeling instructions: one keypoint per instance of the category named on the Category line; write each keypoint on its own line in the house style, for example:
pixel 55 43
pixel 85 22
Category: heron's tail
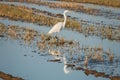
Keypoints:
pixel 50 32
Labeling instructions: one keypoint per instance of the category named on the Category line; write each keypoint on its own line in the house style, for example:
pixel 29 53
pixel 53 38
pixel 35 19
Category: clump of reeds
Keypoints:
pixel 28 35
pixel 25 14
pixel 20 13
pixel 113 3
pixel 41 45
pixel 2 29
pixel 55 41
pixel 12 33
pixel 47 42
pixel 44 41
pixel 68 5
pixel 104 32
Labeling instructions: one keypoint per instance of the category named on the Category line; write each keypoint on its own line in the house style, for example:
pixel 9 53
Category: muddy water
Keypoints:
pixel 109 18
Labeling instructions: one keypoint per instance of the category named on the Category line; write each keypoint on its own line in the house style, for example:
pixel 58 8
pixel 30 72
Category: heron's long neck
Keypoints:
pixel 65 18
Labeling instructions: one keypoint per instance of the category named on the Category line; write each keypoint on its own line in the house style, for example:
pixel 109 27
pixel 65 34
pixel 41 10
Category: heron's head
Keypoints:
pixel 66 11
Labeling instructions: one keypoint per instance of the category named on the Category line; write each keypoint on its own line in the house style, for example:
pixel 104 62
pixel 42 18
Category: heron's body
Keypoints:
pixel 57 27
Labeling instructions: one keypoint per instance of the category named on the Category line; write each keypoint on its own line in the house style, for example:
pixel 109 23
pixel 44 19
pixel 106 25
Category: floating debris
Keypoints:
pixel 55 60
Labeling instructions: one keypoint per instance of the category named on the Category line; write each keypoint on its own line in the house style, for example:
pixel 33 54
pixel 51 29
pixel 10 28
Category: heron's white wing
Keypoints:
pixel 56 28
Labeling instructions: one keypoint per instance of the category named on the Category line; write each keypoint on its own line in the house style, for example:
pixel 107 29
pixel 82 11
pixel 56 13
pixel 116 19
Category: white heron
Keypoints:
pixel 58 26
pixel 66 69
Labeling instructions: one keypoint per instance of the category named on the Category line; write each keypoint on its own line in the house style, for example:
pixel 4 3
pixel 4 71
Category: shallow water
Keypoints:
pixel 33 66
pixel 88 41
pixel 89 19
pixel 21 60
pixel 1 79
pixel 91 41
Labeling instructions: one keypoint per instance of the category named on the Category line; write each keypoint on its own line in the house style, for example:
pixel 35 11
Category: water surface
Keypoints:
pixel 21 60
pixel 79 37
pixel 33 66
pixel 89 19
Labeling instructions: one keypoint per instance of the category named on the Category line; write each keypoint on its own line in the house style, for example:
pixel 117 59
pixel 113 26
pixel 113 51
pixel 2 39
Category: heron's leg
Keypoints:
pixel 57 38
pixel 56 35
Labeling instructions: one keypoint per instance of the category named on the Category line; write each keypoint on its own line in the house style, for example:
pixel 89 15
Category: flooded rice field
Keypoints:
pixel 101 16
pixel 28 52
